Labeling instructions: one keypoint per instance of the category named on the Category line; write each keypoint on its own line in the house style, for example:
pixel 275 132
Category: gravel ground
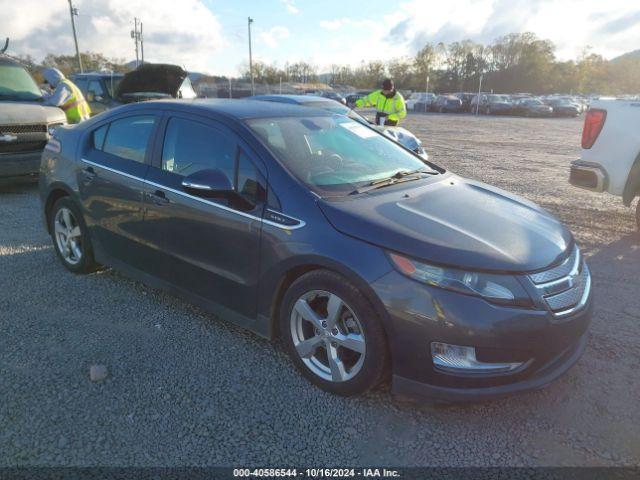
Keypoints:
pixel 184 388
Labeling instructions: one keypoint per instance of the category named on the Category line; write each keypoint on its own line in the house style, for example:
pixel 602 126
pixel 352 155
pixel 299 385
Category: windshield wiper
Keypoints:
pixel 398 177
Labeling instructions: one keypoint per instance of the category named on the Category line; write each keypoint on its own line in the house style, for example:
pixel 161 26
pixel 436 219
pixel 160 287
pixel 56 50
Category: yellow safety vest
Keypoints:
pixel 75 107
pixel 394 107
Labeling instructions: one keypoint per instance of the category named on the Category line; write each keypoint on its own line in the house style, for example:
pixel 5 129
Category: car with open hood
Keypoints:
pixel 25 122
pixel 294 222
pixel 150 81
pixel 401 135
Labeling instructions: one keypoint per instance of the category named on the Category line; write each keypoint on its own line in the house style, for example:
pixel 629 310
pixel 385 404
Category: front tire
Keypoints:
pixel 70 237
pixel 332 334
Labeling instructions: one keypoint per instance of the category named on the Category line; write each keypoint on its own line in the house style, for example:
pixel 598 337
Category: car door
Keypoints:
pixel 208 247
pixel 115 160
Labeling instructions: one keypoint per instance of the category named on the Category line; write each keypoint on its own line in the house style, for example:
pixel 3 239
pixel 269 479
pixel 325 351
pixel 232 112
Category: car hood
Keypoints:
pixel 453 221
pixel 29 112
pixel 152 78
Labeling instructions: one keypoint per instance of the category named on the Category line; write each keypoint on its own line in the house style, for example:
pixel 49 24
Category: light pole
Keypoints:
pixel 253 87
pixel 478 99
pixel 74 11
pixel 134 35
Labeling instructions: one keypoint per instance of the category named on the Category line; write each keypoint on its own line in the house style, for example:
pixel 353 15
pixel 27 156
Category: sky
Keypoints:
pixel 210 36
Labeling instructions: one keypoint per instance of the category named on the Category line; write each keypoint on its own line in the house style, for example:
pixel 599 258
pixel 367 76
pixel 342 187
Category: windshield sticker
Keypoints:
pixel 359 130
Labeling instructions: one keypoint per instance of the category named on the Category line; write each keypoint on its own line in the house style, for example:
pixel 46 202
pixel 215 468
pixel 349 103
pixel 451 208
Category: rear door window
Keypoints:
pixel 128 137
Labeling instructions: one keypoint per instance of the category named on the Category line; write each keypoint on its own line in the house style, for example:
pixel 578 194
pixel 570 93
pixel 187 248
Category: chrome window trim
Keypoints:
pixel 300 224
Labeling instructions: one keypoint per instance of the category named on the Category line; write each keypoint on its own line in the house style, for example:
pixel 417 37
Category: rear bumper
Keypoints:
pixel 552 371
pixel 20 164
pixel 589 176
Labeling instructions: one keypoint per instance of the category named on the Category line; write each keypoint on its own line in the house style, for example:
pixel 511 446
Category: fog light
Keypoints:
pixel 459 359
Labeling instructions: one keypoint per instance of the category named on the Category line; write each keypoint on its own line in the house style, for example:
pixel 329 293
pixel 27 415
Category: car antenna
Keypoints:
pixel 6 45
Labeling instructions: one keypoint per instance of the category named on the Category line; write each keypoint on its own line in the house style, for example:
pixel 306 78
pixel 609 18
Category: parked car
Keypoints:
pixel 563 108
pixel 25 123
pixel 610 158
pixel 299 223
pixel 419 101
pixel 333 96
pixel 466 98
pixel 532 107
pixel 150 81
pixel 99 89
pixel 446 104
pixel 491 104
pixel 401 135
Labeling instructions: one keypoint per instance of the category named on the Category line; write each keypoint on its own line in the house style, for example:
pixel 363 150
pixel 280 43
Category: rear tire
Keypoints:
pixel 70 237
pixel 332 334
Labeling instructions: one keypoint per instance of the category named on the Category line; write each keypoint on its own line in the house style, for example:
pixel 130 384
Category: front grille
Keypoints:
pixel 564 288
pixel 29 128
pixel 572 297
pixel 558 272
pixel 21 147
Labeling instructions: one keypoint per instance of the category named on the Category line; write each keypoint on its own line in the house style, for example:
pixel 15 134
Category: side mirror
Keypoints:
pixel 208 183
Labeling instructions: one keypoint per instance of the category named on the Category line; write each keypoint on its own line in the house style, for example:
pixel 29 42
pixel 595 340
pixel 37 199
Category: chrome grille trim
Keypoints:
pixel 24 128
pixel 559 272
pixel 565 289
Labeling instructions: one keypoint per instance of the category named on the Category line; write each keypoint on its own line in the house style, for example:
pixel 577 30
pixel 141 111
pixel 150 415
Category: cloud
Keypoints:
pixel 344 22
pixel 187 36
pixel 290 5
pixel 274 35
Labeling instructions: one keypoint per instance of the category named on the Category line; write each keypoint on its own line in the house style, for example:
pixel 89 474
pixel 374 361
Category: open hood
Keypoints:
pixel 151 80
pixel 456 222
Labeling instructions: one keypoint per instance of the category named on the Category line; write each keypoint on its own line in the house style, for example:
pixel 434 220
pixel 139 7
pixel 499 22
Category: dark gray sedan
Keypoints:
pixel 294 222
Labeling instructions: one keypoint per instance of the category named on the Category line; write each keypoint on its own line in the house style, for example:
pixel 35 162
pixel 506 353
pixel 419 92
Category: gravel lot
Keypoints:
pixel 187 389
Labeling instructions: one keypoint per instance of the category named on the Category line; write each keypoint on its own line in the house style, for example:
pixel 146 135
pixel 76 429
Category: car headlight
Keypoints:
pixel 503 289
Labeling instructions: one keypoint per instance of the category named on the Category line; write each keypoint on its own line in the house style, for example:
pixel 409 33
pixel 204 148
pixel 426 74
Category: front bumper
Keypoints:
pixel 552 371
pixel 419 314
pixel 20 164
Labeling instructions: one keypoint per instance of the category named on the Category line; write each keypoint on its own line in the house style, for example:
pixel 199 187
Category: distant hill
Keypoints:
pixel 634 55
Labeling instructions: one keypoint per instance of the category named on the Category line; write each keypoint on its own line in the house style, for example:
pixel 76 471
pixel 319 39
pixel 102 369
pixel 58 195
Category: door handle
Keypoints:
pixel 159 198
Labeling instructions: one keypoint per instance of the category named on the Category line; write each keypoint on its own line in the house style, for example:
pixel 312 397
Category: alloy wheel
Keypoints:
pixel 327 336
pixel 68 236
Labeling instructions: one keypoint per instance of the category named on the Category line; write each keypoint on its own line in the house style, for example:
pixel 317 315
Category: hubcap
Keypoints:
pixel 328 336
pixel 68 236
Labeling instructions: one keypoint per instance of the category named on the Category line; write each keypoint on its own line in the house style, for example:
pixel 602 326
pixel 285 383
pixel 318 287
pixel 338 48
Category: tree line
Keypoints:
pixel 518 62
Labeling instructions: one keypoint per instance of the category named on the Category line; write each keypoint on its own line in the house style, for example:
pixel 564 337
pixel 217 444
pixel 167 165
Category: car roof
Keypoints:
pixel 98 74
pixel 293 99
pixel 5 60
pixel 238 109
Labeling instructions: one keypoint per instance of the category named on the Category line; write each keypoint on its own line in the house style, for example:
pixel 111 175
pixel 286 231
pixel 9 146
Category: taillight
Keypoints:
pixel 593 123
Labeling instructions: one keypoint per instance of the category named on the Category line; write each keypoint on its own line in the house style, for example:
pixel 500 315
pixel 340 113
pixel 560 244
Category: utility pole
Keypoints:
pixel 426 104
pixel 141 45
pixel 136 37
pixel 253 86
pixel 74 12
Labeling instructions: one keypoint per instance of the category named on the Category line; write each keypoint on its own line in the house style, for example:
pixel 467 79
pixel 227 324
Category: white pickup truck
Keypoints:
pixel 610 159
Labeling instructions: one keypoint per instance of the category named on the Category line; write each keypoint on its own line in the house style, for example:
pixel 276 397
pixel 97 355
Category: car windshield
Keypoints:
pixel 534 102
pixel 498 98
pixel 17 84
pixel 334 155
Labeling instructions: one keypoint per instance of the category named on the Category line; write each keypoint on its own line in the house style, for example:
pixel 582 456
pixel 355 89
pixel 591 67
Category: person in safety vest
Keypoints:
pixel 389 104
pixel 66 96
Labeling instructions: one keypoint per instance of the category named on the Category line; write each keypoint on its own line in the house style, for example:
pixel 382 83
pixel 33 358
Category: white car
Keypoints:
pixel 419 97
pixel 610 159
